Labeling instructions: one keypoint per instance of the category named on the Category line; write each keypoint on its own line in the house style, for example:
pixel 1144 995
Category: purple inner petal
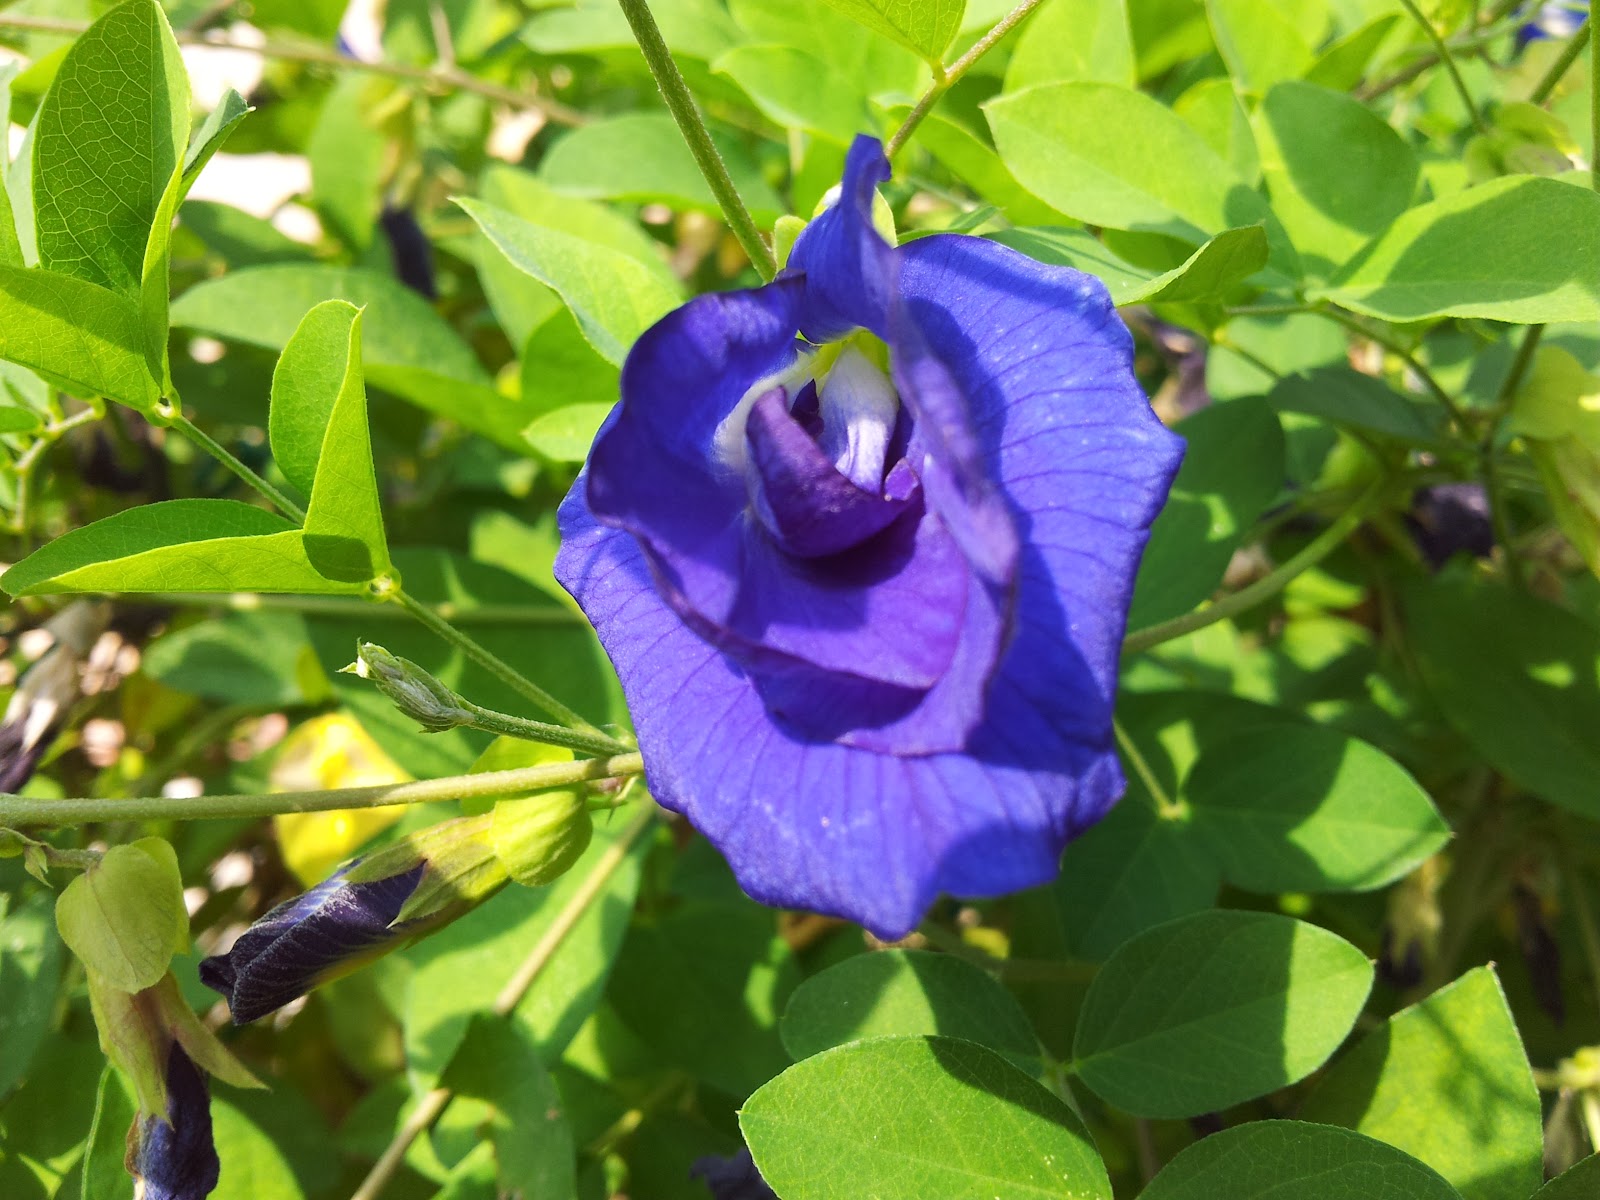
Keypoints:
pixel 802 499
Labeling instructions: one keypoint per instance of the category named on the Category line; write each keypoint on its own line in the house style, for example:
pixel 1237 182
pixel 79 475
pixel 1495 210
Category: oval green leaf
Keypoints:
pixel 925 26
pixel 908 1118
pixel 82 336
pixel 1265 1000
pixel 1506 250
pixel 906 992
pixel 1447 1081
pixel 1301 808
pixel 1269 1160
pixel 1577 1183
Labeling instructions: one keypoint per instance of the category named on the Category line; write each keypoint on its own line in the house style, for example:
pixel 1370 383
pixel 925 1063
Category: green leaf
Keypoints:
pixel 906 992
pixel 970 158
pixel 15 419
pixel 1073 40
pixel 1344 63
pixel 111 136
pixel 88 340
pixel 155 289
pixel 1265 1000
pixel 498 1064
pixel 30 973
pixel 878 64
pixel 407 348
pixel 1266 1160
pixel 699 29
pixel 1302 808
pixel 704 987
pixel 211 135
pixel 1513 249
pixel 320 439
pixel 1448 1082
pixel 238 238
pixel 1576 1183
pixel 461 969
pixel 908 1118
pixel 252 1164
pixel 10 244
pixel 1519 678
pixel 1341 395
pixel 115 1110
pixel 1338 174
pixel 799 90
pixel 641 158
pixel 925 26
pixel 1232 469
pixel 124 917
pixel 1207 274
pixel 1132 870
pixel 347 162
pixel 176 545
pixel 560 369
pixel 613 296
pixel 1111 156
pixel 1260 41
pixel 566 434
pixel 253 658
pixel 1212 108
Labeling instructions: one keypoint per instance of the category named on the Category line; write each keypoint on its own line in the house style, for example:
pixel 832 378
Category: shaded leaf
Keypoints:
pixel 85 338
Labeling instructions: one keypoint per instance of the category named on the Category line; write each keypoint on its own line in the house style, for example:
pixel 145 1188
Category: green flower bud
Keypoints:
pixel 539 838
pixel 410 689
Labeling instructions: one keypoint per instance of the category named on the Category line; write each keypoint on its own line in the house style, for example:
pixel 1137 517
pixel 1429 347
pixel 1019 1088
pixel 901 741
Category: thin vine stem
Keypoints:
pixel 1546 87
pixel 1267 586
pixel 445 76
pixel 502 724
pixel 1485 32
pixel 680 103
pixel 1445 57
pixel 431 1107
pixel 273 495
pixel 945 77
pixel 19 810
pixel 1166 806
pixel 353 607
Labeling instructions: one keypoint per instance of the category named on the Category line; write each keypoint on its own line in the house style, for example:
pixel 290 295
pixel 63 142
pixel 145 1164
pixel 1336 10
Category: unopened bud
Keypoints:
pixel 538 839
pixel 409 688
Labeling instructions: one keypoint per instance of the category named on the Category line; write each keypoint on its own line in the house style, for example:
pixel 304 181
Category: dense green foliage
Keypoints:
pixel 1344 920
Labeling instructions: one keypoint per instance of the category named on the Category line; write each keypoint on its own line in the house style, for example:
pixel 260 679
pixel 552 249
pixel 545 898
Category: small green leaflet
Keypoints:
pixel 85 338
pixel 1504 250
pixel 613 296
pixel 124 917
pixel 1579 1183
pixel 799 90
pixel 111 137
pixel 318 427
pixel 925 26
pixel 1272 1160
pixel 175 546
pixel 208 139
pixel 910 1118
pixel 1266 999
pixel 1448 1081
pixel 1230 257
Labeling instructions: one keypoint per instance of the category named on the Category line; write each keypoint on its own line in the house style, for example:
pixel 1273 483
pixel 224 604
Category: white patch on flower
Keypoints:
pixel 728 444
pixel 859 408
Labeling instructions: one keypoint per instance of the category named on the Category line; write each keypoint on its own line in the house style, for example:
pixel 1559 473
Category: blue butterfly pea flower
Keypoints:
pixel 860 544
pixel 176 1156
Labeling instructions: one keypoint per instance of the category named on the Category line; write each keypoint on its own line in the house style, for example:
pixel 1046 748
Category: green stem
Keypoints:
pixel 498 668
pixel 1443 51
pixel 1264 588
pixel 432 1106
pixel 17 810
pixel 446 77
pixel 1499 515
pixel 506 725
pixel 1166 806
pixel 945 78
pixel 1569 54
pixel 227 458
pixel 1486 32
pixel 693 127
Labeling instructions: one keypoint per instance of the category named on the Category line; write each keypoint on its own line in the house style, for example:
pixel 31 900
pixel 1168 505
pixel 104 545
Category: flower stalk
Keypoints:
pixel 20 810
pixel 693 127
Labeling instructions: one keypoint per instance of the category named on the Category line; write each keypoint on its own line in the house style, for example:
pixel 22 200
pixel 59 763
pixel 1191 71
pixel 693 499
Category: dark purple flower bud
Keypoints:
pixel 176 1156
pixel 733 1178
pixel 1449 519
pixel 305 941
pixel 411 250
pixel 861 544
